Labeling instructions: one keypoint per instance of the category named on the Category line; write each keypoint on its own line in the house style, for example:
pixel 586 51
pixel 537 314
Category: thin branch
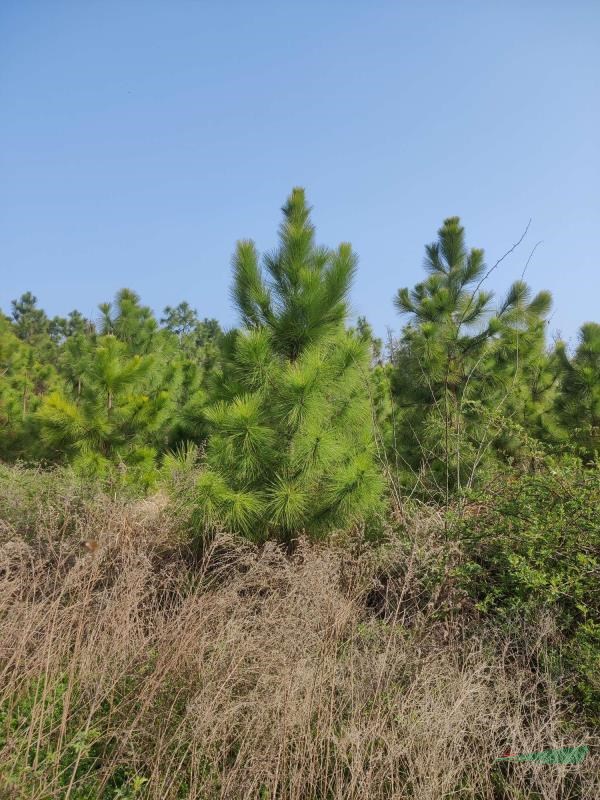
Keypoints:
pixel 490 270
pixel 535 247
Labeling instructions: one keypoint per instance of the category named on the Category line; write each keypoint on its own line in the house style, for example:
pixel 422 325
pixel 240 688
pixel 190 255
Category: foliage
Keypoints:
pixel 459 361
pixel 70 761
pixel 578 403
pixel 146 669
pixel 470 384
pixel 24 380
pixel 118 409
pixel 292 441
pixel 299 425
pixel 111 404
pixel 533 548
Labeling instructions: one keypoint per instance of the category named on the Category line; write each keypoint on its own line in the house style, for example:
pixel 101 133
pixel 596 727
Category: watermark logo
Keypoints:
pixel 565 755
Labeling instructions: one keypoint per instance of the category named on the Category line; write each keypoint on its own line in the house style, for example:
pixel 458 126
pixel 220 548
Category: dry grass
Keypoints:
pixel 137 670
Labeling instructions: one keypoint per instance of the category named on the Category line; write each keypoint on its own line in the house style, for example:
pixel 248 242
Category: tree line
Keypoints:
pixel 300 420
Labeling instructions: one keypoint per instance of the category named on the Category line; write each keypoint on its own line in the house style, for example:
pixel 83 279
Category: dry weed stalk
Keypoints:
pixel 250 674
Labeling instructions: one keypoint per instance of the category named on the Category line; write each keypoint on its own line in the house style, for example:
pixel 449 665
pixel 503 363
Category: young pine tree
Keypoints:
pixel 179 365
pixel 131 322
pixel 30 323
pixel 578 402
pixel 521 374
pixel 457 363
pixel 24 378
pixel 292 445
pixel 107 419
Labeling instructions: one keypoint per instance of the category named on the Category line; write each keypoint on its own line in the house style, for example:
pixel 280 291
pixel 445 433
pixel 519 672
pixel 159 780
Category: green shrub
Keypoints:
pixel 534 546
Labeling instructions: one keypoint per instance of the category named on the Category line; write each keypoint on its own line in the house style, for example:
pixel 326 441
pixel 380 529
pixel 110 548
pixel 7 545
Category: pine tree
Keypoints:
pixel 24 379
pixel 522 373
pixel 292 444
pixel 131 322
pixel 365 332
pixel 30 322
pixel 198 340
pixel 578 402
pixel 109 415
pixel 455 363
pixel 180 320
pixel 75 324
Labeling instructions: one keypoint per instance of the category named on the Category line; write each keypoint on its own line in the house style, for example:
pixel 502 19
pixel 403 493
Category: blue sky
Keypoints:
pixel 140 140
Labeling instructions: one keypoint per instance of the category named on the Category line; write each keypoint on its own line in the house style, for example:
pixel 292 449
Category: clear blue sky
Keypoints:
pixel 139 140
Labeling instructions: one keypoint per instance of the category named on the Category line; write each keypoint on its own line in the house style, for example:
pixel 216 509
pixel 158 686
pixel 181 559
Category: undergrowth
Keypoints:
pixel 149 666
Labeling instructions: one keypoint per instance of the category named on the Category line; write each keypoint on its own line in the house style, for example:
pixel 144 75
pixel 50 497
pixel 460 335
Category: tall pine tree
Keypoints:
pixel 292 443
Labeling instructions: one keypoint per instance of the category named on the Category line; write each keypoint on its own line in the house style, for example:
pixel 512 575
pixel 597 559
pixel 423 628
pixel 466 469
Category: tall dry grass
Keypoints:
pixel 143 669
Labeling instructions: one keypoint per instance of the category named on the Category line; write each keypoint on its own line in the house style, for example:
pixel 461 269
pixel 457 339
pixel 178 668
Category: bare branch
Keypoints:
pixel 535 247
pixel 490 270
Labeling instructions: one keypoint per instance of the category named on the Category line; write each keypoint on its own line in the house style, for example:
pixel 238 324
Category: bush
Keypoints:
pixel 533 547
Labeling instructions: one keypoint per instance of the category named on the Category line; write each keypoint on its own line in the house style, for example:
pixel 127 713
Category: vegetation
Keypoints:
pixel 146 670
pixel 295 404
pixel 292 446
pixel 467 372
pixel 285 561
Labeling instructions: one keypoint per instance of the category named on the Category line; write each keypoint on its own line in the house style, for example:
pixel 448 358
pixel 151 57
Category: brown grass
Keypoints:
pixel 244 673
